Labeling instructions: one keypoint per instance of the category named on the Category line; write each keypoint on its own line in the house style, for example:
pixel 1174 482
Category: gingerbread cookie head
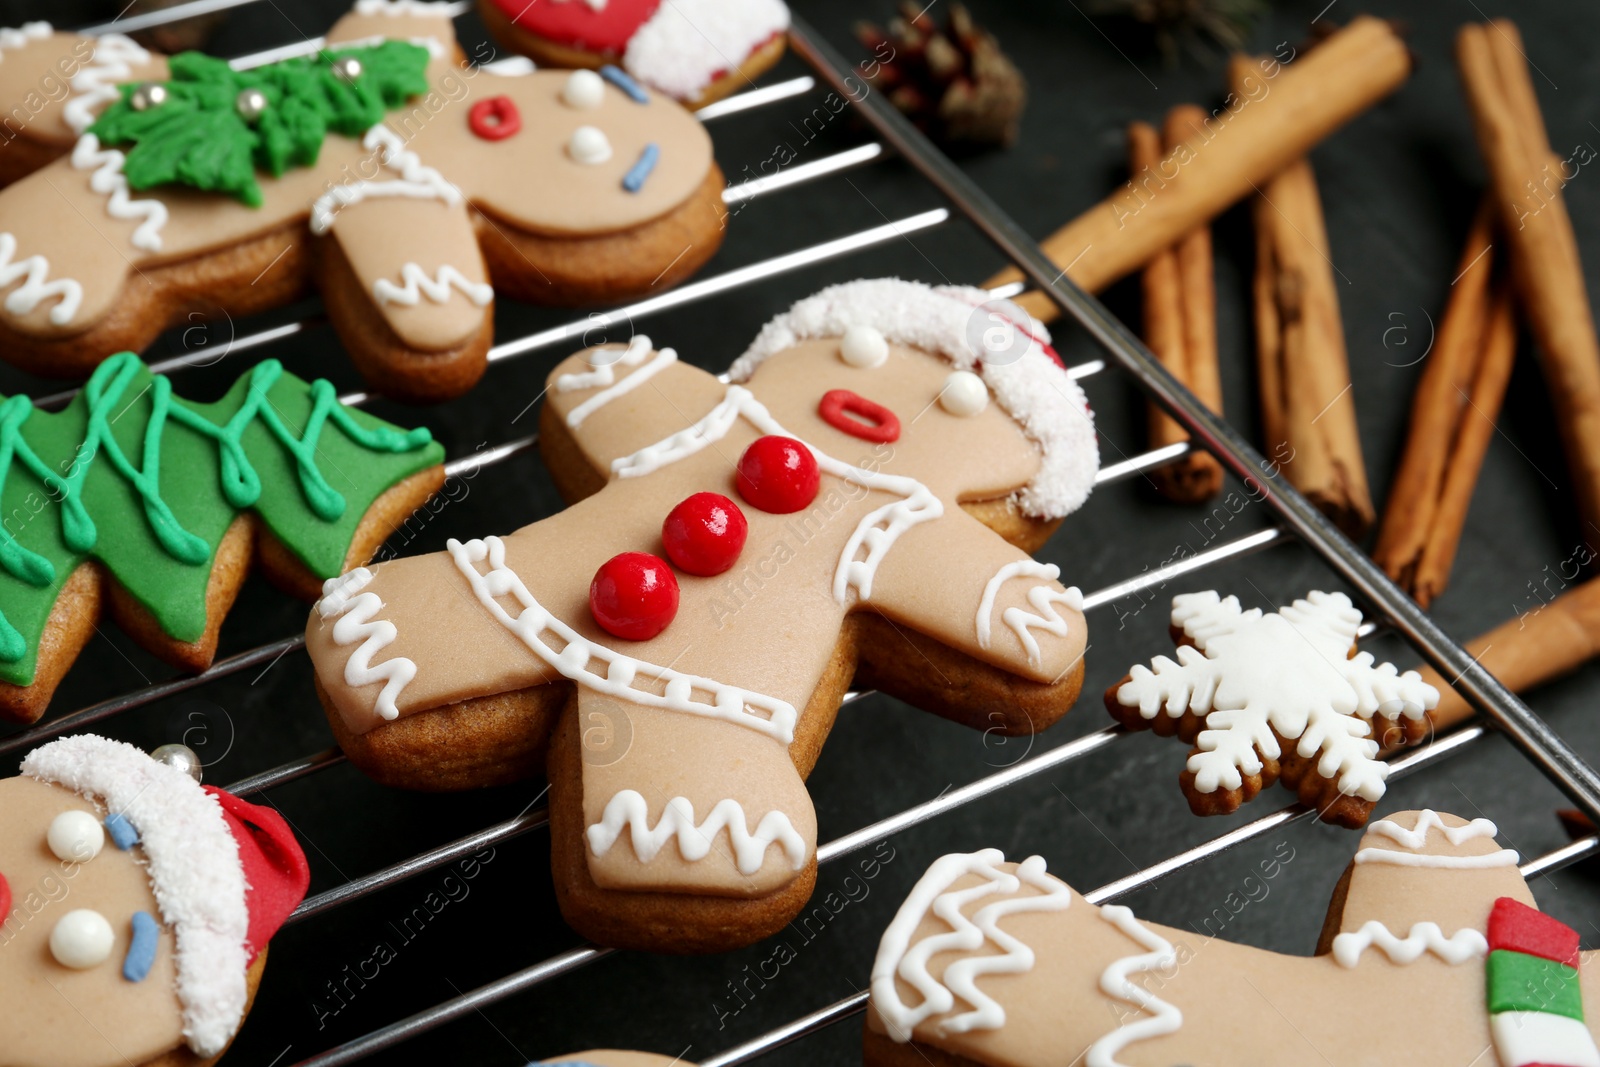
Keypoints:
pixel 1276 694
pixel 137 904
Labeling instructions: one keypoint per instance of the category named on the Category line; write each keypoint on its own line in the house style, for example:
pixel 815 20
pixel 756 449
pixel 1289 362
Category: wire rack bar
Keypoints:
pixel 288 772
pixel 1542 745
pixel 162 17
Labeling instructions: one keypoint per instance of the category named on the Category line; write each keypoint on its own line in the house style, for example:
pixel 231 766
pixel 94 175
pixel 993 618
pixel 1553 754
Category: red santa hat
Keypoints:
pixel 226 873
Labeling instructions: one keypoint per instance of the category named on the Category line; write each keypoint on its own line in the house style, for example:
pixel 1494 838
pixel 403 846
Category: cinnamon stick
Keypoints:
pixel 1308 408
pixel 1526 187
pixel 1288 108
pixel 1534 648
pixel 1180 323
pixel 1452 421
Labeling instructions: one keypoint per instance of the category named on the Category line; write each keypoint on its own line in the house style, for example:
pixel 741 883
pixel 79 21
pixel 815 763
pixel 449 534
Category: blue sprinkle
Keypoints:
pixel 617 77
pixel 634 180
pixel 123 835
pixel 142 949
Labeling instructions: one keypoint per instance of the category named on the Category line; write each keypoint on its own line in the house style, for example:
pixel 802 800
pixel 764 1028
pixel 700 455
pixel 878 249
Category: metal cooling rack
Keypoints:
pixel 1297 520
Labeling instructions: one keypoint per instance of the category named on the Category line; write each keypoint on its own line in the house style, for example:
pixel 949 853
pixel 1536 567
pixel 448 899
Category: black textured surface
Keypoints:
pixel 1398 186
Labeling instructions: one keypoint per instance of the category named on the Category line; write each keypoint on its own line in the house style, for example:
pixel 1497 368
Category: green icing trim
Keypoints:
pixel 197 137
pixel 70 489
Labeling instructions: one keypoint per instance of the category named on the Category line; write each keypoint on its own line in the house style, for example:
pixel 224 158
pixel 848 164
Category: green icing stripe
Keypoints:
pixel 271 445
pixel 1520 982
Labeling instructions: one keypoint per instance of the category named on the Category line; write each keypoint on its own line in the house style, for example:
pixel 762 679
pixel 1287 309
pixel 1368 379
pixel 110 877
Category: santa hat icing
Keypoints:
pixel 678 48
pixel 226 874
pixel 1032 387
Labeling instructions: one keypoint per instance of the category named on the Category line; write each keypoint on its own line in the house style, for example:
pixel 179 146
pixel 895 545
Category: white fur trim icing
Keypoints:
pixel 415 284
pixel 684 46
pixel 1045 402
pixel 343 599
pixel 900 960
pixel 108 181
pixel 628 810
pixel 36 287
pixel 96 84
pixel 194 867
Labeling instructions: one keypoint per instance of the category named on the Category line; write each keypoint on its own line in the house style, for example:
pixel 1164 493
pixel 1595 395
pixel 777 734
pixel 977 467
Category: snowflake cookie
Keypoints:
pixel 1246 684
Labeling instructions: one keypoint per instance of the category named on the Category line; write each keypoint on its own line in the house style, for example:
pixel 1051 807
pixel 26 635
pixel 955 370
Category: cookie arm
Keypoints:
pixel 957 581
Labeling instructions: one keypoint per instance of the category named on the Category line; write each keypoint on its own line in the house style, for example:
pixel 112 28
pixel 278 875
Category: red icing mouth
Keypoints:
pixel 575 24
pixel 5 899
pixel 845 412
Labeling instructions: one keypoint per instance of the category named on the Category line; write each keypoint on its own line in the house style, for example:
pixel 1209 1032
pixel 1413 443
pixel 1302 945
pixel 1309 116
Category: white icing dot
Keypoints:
pixel 964 393
pixel 76 836
pixel 589 145
pixel 82 939
pixel 864 347
pixel 584 89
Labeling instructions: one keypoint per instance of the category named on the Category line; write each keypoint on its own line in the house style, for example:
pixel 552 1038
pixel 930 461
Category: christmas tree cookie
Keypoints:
pixel 151 507
pixel 409 185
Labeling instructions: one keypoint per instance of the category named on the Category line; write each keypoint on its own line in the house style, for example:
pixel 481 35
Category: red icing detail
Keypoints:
pixel 5 899
pixel 705 534
pixel 778 475
pixel 633 596
pixel 839 405
pixel 495 119
pixel 274 867
pixel 1515 926
pixel 577 25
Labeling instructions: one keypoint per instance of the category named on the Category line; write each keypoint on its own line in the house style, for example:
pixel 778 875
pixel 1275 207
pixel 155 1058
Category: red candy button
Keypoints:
pixel 633 596
pixel 495 119
pixel 845 411
pixel 778 475
pixel 5 899
pixel 704 534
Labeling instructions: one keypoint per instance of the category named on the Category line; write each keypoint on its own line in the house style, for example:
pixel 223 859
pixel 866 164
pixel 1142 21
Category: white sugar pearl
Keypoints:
pixel 82 939
pixel 589 145
pixel 76 836
pixel 964 393
pixel 863 347
pixel 584 89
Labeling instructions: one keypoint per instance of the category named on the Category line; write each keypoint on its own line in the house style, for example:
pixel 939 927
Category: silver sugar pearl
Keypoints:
pixel 147 96
pixel 251 104
pixel 182 757
pixel 347 67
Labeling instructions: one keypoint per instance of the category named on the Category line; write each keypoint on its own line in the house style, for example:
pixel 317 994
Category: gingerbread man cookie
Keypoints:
pixel 848 510
pixel 1002 965
pixel 136 907
pixel 608 1057
pixel 400 178
pixel 151 507
pixel 695 51
pixel 1277 695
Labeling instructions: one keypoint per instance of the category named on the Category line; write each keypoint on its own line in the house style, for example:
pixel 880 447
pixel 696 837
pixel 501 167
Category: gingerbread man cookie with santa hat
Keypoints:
pixel 137 907
pixel 854 507
pixel 996 964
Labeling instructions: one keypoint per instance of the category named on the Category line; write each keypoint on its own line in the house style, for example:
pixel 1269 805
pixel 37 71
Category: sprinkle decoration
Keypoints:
pixel 495 119
pixel 616 76
pixel 123 835
pixel 141 947
pixel 634 180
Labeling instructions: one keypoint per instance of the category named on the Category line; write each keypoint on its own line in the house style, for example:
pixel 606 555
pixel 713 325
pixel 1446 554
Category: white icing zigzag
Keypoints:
pixel 22 35
pixel 1416 838
pixel 898 958
pixel 108 180
pixel 536 627
pixel 876 533
pixel 356 623
pixel 416 181
pixel 433 9
pixel 416 284
pixel 1461 946
pixel 604 375
pixel 1042 597
pixel 1117 982
pixel 628 810
pixel 96 84
pixel 34 274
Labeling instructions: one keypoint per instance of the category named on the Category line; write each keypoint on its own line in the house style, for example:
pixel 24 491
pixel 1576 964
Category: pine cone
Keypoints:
pixel 954 83
pixel 1188 22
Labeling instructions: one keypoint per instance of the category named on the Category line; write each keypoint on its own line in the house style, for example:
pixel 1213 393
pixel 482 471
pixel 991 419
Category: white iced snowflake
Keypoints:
pixel 1289 671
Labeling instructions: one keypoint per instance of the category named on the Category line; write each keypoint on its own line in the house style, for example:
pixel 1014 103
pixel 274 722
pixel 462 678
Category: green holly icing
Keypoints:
pixel 198 138
pixel 147 483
